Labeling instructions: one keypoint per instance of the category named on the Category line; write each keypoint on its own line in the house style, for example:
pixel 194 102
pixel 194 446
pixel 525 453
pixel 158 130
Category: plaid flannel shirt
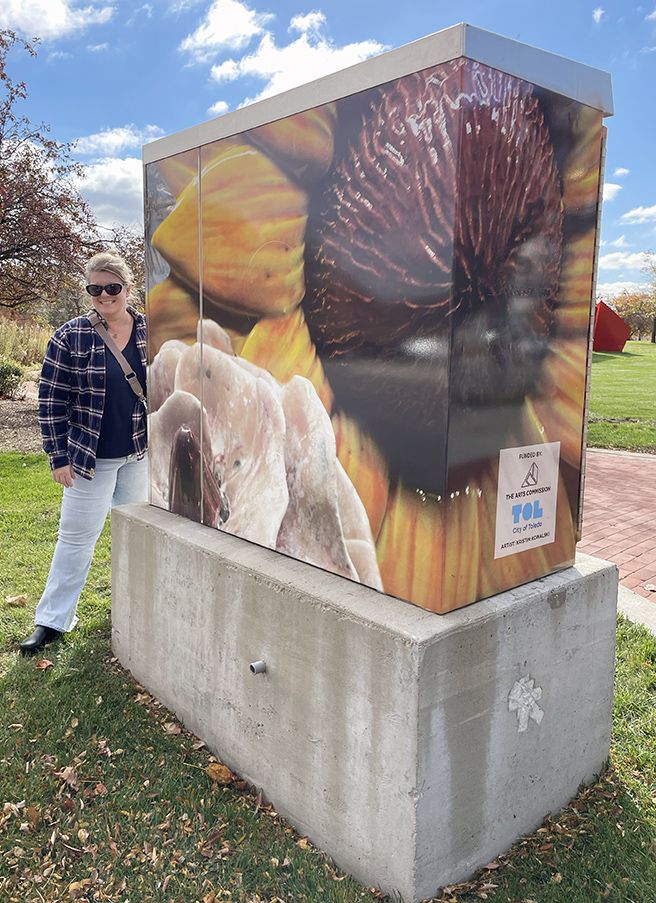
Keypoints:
pixel 72 395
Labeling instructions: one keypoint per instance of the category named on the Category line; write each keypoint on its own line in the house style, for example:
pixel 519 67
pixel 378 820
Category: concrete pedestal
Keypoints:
pixel 411 747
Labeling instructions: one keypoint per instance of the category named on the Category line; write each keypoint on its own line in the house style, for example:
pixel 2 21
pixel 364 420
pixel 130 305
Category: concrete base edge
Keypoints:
pixel 411 747
pixel 637 609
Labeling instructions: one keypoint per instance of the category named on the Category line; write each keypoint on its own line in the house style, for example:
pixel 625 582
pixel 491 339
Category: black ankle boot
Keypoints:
pixel 41 637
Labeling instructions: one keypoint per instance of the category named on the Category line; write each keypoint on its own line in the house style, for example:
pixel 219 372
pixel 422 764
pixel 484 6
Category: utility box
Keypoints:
pixel 369 306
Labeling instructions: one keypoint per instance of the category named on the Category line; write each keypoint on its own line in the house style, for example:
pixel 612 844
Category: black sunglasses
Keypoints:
pixel 114 288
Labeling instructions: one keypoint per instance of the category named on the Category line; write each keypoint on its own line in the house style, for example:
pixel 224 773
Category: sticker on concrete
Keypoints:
pixel 523 699
pixel 526 498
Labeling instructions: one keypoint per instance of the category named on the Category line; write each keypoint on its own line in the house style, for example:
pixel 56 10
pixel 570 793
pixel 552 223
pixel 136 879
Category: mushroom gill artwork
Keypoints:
pixel 356 311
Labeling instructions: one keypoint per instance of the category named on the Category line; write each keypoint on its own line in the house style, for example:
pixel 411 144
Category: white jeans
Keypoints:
pixel 85 505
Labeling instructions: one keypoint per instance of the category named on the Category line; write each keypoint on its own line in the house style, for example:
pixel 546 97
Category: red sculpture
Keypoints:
pixel 610 330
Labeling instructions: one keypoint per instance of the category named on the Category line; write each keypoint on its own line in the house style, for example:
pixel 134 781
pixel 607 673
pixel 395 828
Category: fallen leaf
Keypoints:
pixel 100 789
pixel 17 601
pixel 303 843
pixel 33 814
pixel 170 727
pixel 43 663
pixel 491 866
pixel 69 776
pixel 82 835
pixel 77 888
pixel 219 774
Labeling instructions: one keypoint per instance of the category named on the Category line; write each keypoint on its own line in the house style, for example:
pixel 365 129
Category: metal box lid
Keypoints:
pixel 563 76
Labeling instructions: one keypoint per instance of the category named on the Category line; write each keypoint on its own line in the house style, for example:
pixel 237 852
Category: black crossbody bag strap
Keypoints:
pixel 97 323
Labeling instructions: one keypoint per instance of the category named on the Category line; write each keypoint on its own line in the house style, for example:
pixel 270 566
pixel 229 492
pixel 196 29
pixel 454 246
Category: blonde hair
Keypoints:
pixel 109 262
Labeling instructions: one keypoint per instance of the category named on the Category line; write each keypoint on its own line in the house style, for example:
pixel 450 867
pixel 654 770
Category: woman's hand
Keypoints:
pixel 64 475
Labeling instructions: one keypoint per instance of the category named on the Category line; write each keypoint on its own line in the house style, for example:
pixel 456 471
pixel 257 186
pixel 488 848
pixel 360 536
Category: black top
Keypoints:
pixel 116 429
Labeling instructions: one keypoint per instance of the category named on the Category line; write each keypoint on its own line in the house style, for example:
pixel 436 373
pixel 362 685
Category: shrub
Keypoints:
pixel 11 375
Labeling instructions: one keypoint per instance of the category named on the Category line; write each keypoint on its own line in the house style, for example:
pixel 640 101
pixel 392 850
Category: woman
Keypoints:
pixel 94 433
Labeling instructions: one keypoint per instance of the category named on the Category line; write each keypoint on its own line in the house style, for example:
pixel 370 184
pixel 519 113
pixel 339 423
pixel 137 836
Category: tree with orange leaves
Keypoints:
pixel 638 309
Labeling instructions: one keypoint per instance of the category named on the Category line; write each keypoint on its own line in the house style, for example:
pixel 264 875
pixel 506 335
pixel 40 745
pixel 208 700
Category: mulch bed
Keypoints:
pixel 19 426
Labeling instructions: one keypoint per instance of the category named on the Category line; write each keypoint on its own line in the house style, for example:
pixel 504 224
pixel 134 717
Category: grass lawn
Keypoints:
pixel 107 798
pixel 623 399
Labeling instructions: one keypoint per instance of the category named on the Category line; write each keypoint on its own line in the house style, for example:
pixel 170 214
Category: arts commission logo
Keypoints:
pixel 526 497
pixel 532 477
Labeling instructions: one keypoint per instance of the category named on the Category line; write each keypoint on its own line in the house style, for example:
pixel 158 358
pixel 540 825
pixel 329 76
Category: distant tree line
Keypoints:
pixel 638 308
pixel 47 231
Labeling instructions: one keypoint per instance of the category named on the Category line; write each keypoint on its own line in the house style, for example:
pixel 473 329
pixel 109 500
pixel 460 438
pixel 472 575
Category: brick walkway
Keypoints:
pixel 618 515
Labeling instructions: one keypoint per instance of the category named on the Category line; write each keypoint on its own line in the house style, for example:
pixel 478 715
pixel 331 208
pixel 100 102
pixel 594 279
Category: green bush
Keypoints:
pixel 11 375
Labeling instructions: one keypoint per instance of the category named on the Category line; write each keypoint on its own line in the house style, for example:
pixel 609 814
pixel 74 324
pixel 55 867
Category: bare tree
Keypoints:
pixel 650 269
pixel 130 245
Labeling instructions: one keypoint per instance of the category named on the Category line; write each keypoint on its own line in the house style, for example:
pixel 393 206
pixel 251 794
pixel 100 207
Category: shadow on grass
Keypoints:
pixel 600 357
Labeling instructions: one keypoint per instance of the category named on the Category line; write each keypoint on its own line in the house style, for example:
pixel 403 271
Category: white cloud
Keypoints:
pixel 612 289
pixel 59 55
pixel 146 9
pixel 611 190
pixel 648 50
pixel 620 242
pixel 111 141
pixel 97 48
pixel 286 67
pixel 228 24
pixel 180 6
pixel 114 189
pixel 622 260
pixel 218 108
pixel 113 185
pixel 51 19
pixel 651 17
pixel 621 171
pixel 311 22
pixel 597 14
pixel 225 72
pixel 639 215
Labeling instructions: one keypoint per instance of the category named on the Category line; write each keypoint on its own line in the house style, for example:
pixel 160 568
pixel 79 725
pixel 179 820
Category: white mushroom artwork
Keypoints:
pixel 266 452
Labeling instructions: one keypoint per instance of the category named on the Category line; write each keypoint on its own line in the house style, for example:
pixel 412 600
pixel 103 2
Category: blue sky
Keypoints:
pixel 112 74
